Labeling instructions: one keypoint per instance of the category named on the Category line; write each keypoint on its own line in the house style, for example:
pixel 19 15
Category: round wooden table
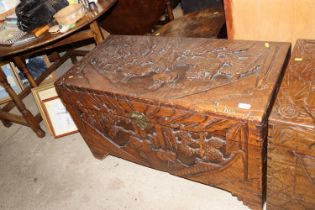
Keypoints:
pixel 86 28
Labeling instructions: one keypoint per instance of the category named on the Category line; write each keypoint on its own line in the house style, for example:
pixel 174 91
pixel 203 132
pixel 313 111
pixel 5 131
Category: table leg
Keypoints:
pixel 169 10
pixel 73 58
pixel 54 57
pixel 6 123
pixel 96 30
pixel 30 119
pixel 21 64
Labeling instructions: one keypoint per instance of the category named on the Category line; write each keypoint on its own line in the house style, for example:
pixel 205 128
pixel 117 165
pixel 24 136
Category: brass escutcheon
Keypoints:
pixel 140 120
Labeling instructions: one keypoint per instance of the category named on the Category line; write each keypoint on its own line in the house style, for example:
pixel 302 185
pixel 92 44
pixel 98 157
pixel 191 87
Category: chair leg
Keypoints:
pixel 28 116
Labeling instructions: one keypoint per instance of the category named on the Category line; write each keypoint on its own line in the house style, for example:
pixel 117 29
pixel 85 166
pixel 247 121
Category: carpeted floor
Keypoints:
pixel 62 174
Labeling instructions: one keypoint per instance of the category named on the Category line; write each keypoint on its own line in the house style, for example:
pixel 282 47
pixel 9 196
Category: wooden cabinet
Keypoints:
pixel 291 141
pixel 196 108
pixel 270 20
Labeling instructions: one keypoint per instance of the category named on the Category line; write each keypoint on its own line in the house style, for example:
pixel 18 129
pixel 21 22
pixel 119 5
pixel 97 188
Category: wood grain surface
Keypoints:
pixel 291 146
pixel 172 104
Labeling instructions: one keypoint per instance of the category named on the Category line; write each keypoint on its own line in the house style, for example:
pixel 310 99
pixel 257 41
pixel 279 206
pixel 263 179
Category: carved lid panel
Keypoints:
pixel 234 78
pixel 295 103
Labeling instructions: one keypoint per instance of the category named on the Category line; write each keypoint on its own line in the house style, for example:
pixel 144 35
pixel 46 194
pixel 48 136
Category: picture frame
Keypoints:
pixel 14 81
pixel 43 94
pixel 59 119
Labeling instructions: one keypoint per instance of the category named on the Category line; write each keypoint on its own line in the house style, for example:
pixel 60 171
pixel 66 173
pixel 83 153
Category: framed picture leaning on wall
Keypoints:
pixel 57 119
pixel 14 81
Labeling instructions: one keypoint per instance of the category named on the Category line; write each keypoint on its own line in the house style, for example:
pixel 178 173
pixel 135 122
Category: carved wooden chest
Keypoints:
pixel 196 108
pixel 291 138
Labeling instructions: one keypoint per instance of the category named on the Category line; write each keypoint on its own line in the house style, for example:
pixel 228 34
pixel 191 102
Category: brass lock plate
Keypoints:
pixel 140 120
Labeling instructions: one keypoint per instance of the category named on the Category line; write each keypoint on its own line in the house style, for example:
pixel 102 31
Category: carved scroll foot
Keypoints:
pixel 251 200
pixel 100 155
pixel 254 206
pixel 93 141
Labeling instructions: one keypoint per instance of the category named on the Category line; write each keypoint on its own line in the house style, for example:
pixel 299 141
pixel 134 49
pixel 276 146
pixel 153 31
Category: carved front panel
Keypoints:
pixel 169 148
pixel 205 148
pixel 163 137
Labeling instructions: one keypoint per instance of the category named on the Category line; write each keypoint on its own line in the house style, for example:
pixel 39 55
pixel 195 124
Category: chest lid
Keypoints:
pixel 232 78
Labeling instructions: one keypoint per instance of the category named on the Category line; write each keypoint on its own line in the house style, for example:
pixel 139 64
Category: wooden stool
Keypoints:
pixel 207 23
